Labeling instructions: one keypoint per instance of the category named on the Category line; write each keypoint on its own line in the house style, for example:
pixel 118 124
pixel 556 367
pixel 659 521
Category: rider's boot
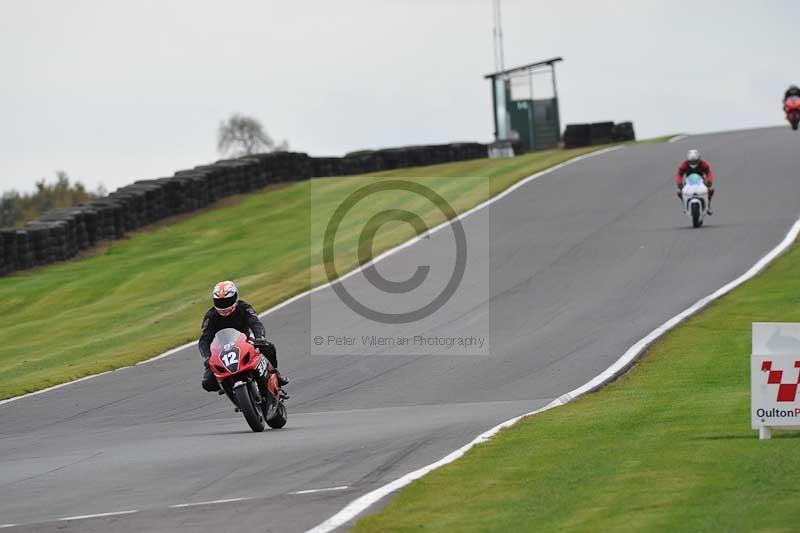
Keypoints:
pixel 210 382
pixel 282 381
pixel 710 197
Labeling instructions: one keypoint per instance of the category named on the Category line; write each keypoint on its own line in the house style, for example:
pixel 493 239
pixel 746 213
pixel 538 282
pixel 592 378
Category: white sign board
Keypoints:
pixel 774 377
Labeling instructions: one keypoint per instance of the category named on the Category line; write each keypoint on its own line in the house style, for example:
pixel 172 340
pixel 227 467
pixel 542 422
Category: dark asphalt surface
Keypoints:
pixel 583 262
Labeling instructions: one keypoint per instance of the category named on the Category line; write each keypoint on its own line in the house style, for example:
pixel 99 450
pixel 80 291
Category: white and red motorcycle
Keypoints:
pixel 695 199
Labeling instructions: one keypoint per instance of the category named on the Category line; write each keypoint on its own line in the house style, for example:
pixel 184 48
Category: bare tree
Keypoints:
pixel 244 135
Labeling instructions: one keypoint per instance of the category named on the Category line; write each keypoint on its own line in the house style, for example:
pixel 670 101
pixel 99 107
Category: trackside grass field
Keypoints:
pixel 654 140
pixel 667 447
pixel 146 294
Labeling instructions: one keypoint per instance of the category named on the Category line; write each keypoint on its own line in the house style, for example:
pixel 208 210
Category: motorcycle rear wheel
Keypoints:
pixel 280 418
pixel 248 408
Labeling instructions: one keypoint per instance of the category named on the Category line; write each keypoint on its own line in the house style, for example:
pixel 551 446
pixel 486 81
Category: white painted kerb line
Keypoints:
pixel 382 256
pixel 360 504
pixel 98 515
pixel 211 502
pixel 677 138
pixel 313 491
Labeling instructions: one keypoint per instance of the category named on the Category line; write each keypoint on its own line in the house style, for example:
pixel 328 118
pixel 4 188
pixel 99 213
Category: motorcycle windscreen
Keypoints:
pixel 225 338
pixel 694 179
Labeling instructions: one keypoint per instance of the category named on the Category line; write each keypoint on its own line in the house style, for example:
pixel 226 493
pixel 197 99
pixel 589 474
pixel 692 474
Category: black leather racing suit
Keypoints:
pixel 245 319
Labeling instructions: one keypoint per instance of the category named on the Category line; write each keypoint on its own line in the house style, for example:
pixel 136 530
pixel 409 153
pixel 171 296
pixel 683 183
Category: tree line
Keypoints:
pixel 17 208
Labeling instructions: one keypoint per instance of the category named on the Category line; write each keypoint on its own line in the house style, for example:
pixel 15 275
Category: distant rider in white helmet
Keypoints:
pixel 695 165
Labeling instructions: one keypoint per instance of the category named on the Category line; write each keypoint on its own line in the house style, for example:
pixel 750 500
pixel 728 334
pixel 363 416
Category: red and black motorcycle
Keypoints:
pixel 792 108
pixel 248 379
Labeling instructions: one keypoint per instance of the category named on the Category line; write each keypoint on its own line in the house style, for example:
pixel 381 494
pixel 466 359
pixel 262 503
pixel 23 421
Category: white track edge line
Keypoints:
pixel 360 504
pixel 677 138
pixel 382 256
pixel 34 393
pixel 211 502
pixel 312 491
pixel 98 515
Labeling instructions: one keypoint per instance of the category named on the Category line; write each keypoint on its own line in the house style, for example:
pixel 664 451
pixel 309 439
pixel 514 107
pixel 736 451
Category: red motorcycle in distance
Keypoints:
pixel 248 379
pixel 792 108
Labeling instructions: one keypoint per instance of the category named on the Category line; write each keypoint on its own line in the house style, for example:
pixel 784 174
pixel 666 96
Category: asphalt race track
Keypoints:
pixel 584 262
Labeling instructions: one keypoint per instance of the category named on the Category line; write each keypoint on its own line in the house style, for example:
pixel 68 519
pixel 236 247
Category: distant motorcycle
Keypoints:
pixel 248 379
pixel 792 108
pixel 695 199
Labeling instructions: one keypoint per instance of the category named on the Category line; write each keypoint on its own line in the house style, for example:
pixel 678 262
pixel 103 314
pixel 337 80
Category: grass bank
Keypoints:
pixel 667 447
pixel 656 140
pixel 145 294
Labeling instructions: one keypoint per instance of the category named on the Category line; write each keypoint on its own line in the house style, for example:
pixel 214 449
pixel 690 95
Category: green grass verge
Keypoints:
pixel 656 140
pixel 143 295
pixel 668 447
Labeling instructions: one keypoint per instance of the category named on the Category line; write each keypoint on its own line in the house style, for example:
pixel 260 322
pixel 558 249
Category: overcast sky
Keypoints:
pixel 117 91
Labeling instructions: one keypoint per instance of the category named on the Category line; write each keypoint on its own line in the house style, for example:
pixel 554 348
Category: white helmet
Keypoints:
pixel 693 157
pixel 225 296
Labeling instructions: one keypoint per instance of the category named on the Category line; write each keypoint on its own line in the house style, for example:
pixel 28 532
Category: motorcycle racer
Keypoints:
pixel 791 106
pixel 229 311
pixel 695 165
pixel 793 90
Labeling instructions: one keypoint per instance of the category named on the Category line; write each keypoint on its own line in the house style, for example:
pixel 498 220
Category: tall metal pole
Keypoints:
pixel 499 57
pixel 500 83
pixel 531 114
pixel 555 98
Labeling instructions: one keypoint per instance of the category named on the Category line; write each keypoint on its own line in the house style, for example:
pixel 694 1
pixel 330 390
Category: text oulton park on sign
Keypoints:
pixel 774 377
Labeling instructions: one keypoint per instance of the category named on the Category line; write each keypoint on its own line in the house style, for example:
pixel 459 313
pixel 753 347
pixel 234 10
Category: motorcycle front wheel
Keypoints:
pixel 249 408
pixel 696 220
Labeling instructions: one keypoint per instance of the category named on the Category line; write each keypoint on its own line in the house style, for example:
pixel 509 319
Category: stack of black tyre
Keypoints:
pixel 364 161
pixel 623 132
pixel 579 135
pixel 60 234
pixel 327 166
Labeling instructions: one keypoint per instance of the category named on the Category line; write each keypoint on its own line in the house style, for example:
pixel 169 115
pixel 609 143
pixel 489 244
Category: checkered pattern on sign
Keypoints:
pixel 787 392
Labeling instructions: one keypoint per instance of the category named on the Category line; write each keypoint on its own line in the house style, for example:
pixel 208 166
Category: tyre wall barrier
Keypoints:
pixel 579 135
pixel 623 131
pixel 60 234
